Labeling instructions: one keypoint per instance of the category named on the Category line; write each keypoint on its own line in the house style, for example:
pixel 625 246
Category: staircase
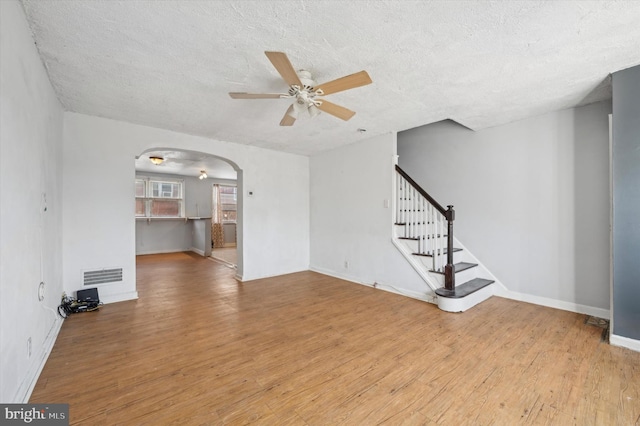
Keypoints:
pixel 423 232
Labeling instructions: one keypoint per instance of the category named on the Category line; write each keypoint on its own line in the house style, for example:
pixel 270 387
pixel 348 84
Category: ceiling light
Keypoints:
pixel 313 110
pixel 293 113
pixel 203 175
pixel 156 160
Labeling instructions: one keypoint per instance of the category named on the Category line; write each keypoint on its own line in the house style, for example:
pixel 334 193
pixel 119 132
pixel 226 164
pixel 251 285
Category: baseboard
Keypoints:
pixel 554 303
pixel 119 297
pixel 144 253
pixel 378 285
pixel 197 251
pixel 624 342
pixel 24 391
pixel 253 278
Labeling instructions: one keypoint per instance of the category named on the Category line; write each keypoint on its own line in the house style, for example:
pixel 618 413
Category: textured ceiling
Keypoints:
pixel 170 64
pixel 185 163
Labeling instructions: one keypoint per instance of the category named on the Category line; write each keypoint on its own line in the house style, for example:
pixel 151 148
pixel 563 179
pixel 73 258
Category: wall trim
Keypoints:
pixel 424 297
pixel 245 279
pixel 554 303
pixel 197 251
pixel 119 297
pixel 144 253
pixel 33 374
pixel 624 342
pixel 498 291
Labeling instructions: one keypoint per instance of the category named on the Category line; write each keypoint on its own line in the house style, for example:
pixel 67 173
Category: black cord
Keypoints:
pixel 70 306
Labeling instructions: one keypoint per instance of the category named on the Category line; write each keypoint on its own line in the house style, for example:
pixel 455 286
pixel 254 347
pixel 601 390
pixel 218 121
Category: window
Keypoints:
pixel 159 198
pixel 229 201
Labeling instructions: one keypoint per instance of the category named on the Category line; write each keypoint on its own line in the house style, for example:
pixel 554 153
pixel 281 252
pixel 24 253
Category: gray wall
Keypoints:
pixel 531 198
pixel 626 203
pixel 173 235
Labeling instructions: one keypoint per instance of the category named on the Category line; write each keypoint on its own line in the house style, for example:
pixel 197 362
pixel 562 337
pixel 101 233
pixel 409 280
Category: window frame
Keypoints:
pixel 235 199
pixel 148 197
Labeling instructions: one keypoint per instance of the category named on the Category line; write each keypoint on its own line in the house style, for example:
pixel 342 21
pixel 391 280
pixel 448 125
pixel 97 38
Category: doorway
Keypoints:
pixel 224 203
pixel 188 225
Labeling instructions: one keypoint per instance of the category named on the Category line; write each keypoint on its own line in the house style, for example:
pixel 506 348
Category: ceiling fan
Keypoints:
pixel 304 92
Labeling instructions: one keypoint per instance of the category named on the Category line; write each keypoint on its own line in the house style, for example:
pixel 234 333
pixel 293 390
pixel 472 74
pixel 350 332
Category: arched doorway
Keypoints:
pixel 174 203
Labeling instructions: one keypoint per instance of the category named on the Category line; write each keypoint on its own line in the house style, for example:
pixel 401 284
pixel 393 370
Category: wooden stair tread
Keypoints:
pixel 464 289
pixel 418 239
pixel 429 255
pixel 459 267
pixel 412 223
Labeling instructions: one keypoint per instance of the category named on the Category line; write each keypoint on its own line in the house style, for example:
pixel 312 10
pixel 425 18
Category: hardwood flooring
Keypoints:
pixel 226 254
pixel 198 347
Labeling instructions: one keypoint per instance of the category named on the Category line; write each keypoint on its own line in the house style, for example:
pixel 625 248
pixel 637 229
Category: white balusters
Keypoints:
pixel 422 221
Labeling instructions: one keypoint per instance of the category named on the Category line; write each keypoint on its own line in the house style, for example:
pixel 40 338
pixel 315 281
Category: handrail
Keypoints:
pixel 422 192
pixel 421 224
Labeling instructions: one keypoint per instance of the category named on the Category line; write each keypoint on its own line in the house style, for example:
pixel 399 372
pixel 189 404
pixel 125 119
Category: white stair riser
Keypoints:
pixel 466 275
pixel 403 231
pixel 427 261
pixel 461 277
pixel 464 303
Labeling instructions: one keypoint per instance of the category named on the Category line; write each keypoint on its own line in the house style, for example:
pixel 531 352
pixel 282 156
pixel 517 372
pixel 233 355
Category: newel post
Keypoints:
pixel 449 272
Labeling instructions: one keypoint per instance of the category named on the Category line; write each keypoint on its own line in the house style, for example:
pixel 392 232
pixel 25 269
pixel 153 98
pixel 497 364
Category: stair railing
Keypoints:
pixel 426 221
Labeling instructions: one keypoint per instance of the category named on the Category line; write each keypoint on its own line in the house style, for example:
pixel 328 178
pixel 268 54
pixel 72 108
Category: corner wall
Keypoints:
pixel 30 208
pixel 626 207
pixel 531 200
pixel 349 220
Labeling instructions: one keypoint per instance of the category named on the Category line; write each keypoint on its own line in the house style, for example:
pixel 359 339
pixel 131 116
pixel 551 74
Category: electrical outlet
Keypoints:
pixel 346 264
pixel 29 347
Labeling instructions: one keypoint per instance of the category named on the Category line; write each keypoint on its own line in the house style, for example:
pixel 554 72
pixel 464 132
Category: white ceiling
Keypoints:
pixel 185 163
pixel 170 64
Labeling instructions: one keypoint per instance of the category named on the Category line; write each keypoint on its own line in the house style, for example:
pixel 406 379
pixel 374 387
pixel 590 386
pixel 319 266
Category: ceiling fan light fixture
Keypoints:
pixel 203 175
pixel 313 110
pixel 156 160
pixel 293 112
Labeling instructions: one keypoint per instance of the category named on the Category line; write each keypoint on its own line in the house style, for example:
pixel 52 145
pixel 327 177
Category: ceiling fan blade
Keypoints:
pixel 243 95
pixel 345 83
pixel 284 67
pixel 288 120
pixel 336 110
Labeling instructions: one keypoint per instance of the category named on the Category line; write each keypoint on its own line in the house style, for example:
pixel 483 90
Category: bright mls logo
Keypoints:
pixel 35 414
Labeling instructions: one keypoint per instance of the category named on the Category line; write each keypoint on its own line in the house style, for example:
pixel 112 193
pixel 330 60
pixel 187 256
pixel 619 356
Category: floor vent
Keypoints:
pixel 102 276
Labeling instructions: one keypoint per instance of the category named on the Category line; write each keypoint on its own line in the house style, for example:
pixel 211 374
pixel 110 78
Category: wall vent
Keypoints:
pixel 102 276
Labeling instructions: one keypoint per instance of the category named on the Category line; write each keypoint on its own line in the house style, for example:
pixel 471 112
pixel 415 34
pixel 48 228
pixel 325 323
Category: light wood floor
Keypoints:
pixel 307 349
pixel 226 254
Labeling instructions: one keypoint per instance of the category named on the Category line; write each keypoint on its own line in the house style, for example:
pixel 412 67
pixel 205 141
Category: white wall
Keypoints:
pixel 531 199
pixel 99 226
pixel 349 221
pixel 30 238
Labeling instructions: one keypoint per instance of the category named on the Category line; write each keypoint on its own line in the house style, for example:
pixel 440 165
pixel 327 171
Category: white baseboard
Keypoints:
pixel 554 303
pixel 119 297
pixel 624 342
pixel 198 251
pixel 425 297
pixel 252 278
pixel 144 253
pixel 26 388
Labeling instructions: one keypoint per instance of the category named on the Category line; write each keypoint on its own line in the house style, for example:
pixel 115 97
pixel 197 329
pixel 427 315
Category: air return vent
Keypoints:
pixel 102 276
